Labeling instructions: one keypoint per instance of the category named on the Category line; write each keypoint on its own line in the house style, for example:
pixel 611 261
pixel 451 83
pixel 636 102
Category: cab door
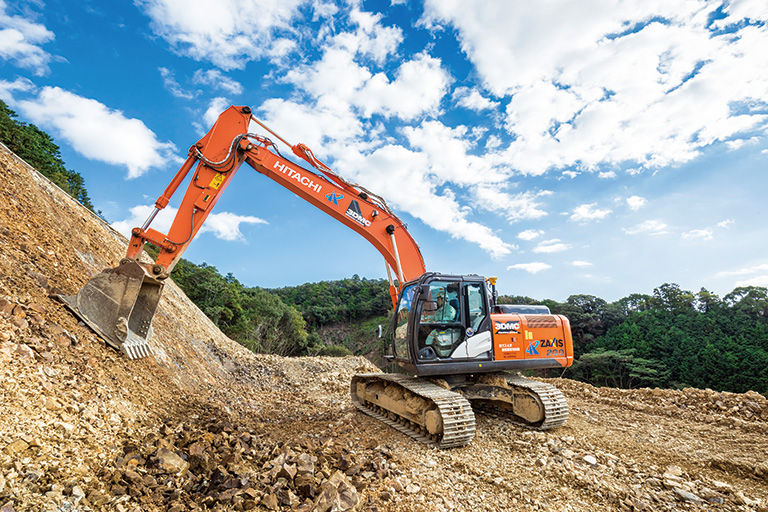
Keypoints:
pixel 478 338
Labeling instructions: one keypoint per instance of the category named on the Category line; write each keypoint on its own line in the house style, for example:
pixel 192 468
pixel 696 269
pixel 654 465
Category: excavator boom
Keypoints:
pixel 119 303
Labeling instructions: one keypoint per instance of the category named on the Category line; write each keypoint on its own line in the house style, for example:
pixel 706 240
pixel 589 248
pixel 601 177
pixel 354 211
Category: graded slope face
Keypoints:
pixel 207 425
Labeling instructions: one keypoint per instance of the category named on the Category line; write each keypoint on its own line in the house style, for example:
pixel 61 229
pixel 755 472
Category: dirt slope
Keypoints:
pixel 208 425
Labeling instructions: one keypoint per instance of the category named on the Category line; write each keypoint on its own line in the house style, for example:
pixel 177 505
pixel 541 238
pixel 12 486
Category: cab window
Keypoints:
pixel 401 321
pixel 475 305
pixel 440 330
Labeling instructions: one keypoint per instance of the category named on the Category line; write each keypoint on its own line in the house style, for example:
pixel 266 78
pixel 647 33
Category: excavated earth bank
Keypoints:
pixel 206 425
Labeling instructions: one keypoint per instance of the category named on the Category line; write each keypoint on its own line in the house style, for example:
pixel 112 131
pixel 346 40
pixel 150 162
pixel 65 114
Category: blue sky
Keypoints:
pixel 598 147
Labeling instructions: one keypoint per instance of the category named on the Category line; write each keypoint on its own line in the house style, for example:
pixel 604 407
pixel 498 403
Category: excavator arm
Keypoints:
pixel 119 303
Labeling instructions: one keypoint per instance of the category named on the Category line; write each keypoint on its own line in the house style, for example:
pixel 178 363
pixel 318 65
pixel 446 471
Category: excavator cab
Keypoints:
pixel 442 320
pixel 450 325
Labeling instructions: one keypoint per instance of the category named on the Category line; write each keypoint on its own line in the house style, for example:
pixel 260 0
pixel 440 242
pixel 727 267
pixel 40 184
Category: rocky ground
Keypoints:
pixel 206 425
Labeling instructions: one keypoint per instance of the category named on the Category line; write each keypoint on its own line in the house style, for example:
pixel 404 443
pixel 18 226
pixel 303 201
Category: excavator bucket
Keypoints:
pixel 119 304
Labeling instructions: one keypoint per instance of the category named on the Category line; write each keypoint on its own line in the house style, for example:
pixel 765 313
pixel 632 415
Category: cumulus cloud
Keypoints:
pixel 532 268
pixel 98 132
pixel 550 246
pixel 639 84
pixel 581 263
pixel 697 234
pixel 589 212
pixel 21 40
pixel 224 225
pixel 217 80
pixel 227 33
pixel 636 202
pixel 648 227
pixel 337 80
pixel 606 175
pixel 530 234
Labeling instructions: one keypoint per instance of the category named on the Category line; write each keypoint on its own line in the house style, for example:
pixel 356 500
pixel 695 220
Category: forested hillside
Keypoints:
pixel 672 338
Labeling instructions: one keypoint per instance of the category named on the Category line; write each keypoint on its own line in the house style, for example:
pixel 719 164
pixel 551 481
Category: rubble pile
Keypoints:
pixel 219 464
pixel 206 425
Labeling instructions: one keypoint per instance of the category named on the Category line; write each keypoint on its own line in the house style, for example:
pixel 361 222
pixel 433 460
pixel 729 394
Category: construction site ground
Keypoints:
pixel 204 424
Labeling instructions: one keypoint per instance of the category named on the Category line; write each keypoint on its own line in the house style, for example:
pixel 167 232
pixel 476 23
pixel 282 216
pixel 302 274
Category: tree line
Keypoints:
pixel 671 338
pixel 282 321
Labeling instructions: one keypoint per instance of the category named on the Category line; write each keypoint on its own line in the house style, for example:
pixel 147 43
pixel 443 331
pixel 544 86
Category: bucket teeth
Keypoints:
pixel 136 349
pixel 119 304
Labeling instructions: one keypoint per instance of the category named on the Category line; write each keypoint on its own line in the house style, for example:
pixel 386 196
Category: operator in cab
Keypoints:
pixel 444 312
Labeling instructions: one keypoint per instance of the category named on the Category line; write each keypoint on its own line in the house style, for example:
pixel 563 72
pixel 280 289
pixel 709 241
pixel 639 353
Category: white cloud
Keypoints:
pixel 398 174
pixel 532 268
pixel 649 227
pixel 217 80
pixel 20 41
pixel 580 263
pixel 530 234
pixel 338 81
pixel 227 33
pixel 641 84
pixel 19 85
pixel 588 212
pixel 322 128
pixel 224 225
pixel 745 271
pixel 214 110
pixel 550 246
pixel 636 202
pixel 472 99
pixel 697 234
pixel 725 223
pixel 418 87
pixel 98 132
pixel 170 83
pixel 371 39
pixel 606 175
pixel 754 281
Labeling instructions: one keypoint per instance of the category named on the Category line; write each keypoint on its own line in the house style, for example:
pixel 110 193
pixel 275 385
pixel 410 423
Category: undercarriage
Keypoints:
pixel 441 412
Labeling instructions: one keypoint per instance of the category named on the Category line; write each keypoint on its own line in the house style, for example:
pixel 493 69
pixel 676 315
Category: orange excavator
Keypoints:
pixel 454 344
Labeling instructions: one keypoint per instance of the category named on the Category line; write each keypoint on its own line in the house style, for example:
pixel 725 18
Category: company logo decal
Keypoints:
pixel 354 213
pixel 296 175
pixel 532 346
pixel 333 198
pixel 553 343
pixel 507 327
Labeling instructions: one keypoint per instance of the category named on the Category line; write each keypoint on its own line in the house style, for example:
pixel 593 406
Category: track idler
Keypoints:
pixel 119 304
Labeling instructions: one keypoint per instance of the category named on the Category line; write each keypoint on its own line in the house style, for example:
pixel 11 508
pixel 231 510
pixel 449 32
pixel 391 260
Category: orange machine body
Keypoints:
pixel 523 337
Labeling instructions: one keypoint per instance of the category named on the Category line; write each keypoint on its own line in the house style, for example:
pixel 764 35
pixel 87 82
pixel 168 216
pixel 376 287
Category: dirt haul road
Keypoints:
pixel 206 425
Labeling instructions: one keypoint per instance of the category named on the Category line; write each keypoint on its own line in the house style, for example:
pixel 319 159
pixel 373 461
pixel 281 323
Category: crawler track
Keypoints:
pixel 458 419
pixel 494 401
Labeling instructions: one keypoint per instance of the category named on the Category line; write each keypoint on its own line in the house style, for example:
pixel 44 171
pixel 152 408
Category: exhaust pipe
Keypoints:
pixel 119 304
